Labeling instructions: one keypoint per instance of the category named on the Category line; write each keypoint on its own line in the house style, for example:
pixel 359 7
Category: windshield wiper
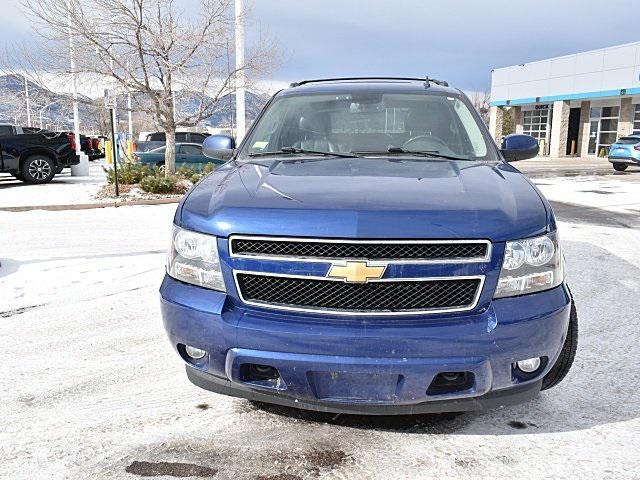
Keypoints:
pixel 420 153
pixel 294 150
pixel 426 153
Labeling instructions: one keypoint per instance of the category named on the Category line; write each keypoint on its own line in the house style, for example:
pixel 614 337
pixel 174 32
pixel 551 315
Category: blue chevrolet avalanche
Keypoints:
pixel 368 249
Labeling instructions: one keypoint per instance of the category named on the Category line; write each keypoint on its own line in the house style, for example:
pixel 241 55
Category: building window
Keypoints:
pixel 636 120
pixel 604 129
pixel 536 124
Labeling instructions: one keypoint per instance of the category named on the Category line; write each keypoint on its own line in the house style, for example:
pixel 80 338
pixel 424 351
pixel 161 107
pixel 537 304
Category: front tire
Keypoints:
pixel 568 353
pixel 620 167
pixel 38 169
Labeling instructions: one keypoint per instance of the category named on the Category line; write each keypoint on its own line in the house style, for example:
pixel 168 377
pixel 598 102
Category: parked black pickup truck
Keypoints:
pixel 35 157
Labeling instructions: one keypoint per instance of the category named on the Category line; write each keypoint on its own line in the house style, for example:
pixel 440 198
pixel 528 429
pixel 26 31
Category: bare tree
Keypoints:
pixel 12 107
pixel 482 103
pixel 21 98
pixel 151 49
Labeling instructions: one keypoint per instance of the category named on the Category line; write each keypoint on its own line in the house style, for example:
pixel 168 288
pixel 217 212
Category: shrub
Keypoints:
pixel 186 171
pixel 129 173
pixel 195 174
pixel 208 168
pixel 152 180
pixel 159 184
pixel 183 186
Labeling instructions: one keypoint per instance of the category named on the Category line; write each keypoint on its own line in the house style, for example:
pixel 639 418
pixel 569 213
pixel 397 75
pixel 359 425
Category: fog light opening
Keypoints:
pixel 529 365
pixel 194 353
pixel 451 382
pixel 261 375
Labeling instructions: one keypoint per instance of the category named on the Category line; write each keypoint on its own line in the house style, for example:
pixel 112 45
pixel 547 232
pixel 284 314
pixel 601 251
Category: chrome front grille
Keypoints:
pixel 406 251
pixel 394 296
pixel 354 291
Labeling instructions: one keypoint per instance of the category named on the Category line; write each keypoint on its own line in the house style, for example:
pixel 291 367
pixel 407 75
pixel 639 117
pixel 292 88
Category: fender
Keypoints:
pixel 52 154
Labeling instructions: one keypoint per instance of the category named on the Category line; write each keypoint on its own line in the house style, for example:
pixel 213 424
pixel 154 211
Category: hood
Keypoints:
pixel 366 198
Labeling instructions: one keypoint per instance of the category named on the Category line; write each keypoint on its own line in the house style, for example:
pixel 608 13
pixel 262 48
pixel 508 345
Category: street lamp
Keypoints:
pixel 240 73
pixel 82 169
pixel 28 100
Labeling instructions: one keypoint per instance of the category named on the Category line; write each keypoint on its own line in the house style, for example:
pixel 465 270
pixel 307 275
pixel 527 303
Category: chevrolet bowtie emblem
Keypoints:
pixel 356 272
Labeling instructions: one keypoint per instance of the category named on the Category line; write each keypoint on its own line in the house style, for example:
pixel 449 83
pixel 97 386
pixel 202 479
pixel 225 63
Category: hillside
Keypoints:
pixel 57 109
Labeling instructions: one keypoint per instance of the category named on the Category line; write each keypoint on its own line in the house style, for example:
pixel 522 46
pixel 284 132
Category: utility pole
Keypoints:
pixel 81 169
pixel 28 100
pixel 240 73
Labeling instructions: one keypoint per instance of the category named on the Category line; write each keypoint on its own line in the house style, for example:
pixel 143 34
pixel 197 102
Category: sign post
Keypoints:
pixel 110 104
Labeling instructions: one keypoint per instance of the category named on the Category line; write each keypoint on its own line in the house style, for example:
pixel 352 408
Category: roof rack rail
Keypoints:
pixel 442 83
pixel 427 81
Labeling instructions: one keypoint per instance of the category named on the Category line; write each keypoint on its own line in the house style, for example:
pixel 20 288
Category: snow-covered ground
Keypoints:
pixel 90 388
pixel 62 190
pixel 615 193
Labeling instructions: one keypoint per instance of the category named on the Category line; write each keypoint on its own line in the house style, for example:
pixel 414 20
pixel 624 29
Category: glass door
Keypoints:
pixel 604 129
pixel 537 124
pixel 593 137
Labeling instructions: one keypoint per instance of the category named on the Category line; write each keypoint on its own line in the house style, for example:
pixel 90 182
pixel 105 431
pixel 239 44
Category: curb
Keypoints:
pixel 88 206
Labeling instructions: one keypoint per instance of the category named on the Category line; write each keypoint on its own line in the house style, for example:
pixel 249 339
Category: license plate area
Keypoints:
pixel 355 387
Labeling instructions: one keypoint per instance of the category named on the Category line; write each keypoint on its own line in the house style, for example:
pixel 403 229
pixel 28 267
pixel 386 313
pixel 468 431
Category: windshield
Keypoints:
pixel 369 123
pixel 628 140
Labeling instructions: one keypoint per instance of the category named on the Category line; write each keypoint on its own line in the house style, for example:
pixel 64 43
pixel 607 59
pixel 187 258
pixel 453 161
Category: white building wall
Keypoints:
pixel 570 76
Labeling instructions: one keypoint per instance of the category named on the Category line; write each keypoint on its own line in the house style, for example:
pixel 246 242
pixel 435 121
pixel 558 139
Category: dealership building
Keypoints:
pixel 574 105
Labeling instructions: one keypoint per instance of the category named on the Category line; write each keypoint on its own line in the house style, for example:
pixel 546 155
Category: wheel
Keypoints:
pixel 160 166
pixel 568 353
pixel 38 169
pixel 620 167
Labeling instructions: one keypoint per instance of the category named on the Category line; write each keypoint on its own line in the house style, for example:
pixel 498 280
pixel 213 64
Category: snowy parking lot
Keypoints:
pixel 90 387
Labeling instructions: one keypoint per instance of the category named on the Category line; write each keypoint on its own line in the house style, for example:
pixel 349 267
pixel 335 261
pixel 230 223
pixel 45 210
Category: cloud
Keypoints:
pixel 457 40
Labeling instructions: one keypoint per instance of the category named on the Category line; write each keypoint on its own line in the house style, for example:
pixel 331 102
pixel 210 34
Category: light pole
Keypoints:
pixel 28 100
pixel 82 168
pixel 130 113
pixel 240 73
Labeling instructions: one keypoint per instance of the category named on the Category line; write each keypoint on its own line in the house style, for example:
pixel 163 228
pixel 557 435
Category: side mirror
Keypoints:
pixel 519 147
pixel 219 147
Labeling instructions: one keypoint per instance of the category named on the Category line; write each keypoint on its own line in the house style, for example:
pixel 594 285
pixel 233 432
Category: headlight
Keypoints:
pixel 531 265
pixel 193 258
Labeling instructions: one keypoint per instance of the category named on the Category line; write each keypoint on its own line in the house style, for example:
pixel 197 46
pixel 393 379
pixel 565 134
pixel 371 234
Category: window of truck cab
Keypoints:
pixel 5 130
pixel 371 122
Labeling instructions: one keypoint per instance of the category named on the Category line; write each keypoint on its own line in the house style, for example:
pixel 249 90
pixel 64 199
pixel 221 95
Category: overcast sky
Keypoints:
pixel 459 41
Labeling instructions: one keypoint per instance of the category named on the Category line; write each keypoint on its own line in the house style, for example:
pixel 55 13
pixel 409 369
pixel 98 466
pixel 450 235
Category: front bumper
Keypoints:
pixel 625 160
pixel 494 399
pixel 367 364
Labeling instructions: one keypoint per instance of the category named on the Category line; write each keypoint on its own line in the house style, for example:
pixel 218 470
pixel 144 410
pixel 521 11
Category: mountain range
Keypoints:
pixel 57 112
